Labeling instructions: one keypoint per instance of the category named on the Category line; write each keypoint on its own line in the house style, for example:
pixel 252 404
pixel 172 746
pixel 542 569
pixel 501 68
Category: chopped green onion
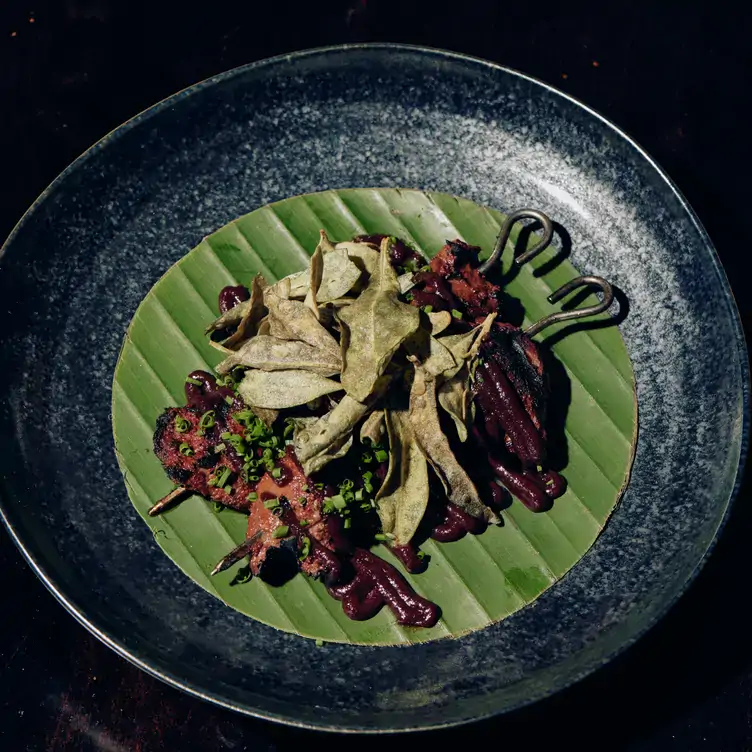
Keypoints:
pixel 338 501
pixel 305 548
pixel 281 531
pixel 225 435
pixel 244 575
pixel 421 555
pixel 181 424
pixel 302 500
pixel 381 537
pixel 207 419
pixel 271 503
pixel 252 496
pixel 277 472
pixel 428 308
pixel 253 478
pixel 346 485
pixel 219 448
pixel 348 522
pixel 359 495
pixel 381 455
pixel 186 450
pixel 191 380
pixel 304 487
pixel 457 314
pixel 319 643
pixel 223 476
pixel 366 458
pixel 320 486
pixel 230 400
pixel 304 523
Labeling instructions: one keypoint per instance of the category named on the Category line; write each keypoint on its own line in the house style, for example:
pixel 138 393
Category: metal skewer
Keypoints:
pixel 580 313
pixel 176 495
pixel 506 230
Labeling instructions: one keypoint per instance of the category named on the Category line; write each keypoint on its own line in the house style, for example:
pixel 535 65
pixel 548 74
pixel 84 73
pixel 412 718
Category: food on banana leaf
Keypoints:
pixel 343 415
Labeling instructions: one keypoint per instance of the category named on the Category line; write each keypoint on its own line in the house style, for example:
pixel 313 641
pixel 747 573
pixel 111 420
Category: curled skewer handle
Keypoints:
pixel 506 229
pixel 597 283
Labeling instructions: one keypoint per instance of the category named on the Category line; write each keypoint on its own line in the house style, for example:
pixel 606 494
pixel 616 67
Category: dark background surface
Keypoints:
pixel 673 75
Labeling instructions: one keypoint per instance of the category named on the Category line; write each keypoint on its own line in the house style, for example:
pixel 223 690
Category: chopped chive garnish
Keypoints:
pixel 277 472
pixel 252 496
pixel 457 314
pixel 366 458
pixel 225 435
pixel 381 455
pixel 348 523
pixel 185 449
pixel 253 478
pixel 381 537
pixel 428 308
pixel 281 531
pixel 304 487
pixel 359 495
pixel 223 475
pixel 271 503
pixel 304 523
pixel 181 424
pixel 230 400
pixel 220 448
pixel 191 380
pixel 305 547
pixel 207 419
pixel 421 555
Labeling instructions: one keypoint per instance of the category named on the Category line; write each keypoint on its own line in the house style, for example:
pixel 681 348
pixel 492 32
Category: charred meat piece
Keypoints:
pixel 190 458
pixel 403 258
pixel 288 510
pixel 453 281
pixel 511 390
pixel 519 358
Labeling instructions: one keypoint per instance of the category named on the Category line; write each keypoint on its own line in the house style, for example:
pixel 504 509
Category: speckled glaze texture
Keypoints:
pixel 76 268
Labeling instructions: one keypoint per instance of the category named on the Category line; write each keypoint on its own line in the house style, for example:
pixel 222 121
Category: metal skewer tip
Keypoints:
pixel 506 230
pixel 598 283
pixel 175 496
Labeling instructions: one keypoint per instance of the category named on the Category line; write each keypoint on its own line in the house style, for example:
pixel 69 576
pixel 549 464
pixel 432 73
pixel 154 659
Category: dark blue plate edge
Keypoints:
pixel 741 350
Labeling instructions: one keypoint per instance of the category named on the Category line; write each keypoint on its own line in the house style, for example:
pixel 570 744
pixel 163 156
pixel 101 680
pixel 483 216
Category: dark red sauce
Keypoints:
pixel 430 283
pixel 377 583
pixel 207 394
pixel 230 296
pixel 457 524
pixel 535 490
pixel 498 496
pixel 410 559
pixel 399 252
pixel 500 405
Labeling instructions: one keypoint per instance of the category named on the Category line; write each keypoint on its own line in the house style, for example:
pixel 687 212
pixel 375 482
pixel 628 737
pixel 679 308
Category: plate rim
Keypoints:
pixel 431 52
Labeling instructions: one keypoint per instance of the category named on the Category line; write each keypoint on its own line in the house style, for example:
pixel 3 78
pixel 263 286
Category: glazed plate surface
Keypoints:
pixel 76 268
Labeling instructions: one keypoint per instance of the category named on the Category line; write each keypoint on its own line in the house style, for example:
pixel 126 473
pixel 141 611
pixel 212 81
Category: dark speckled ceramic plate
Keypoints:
pixel 77 266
